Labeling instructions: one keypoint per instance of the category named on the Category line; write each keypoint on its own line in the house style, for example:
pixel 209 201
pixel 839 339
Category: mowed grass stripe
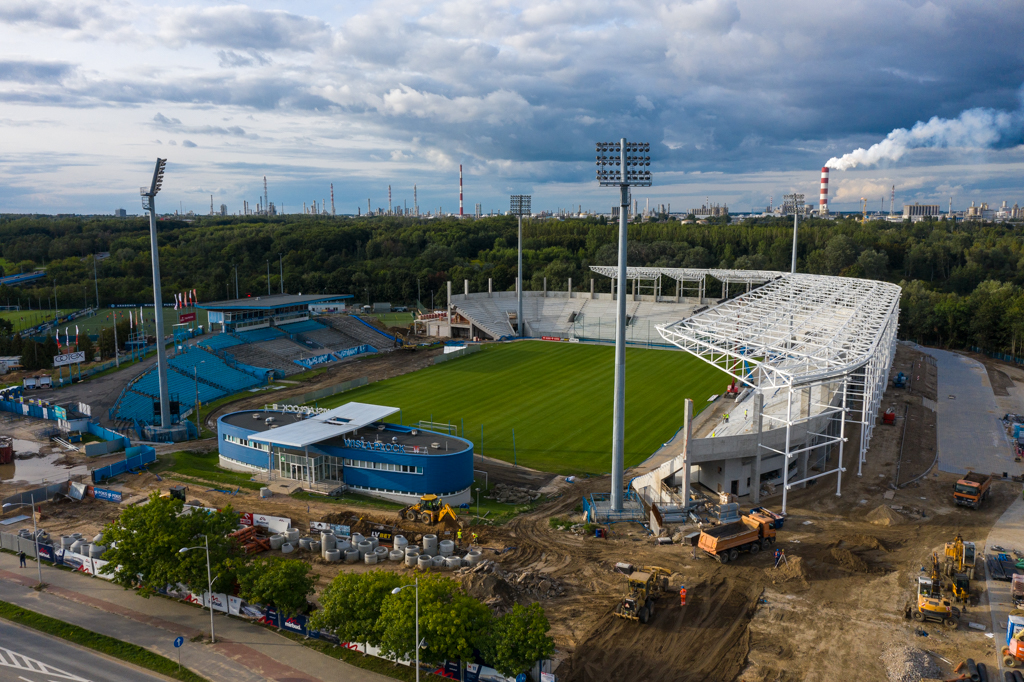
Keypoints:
pixel 557 397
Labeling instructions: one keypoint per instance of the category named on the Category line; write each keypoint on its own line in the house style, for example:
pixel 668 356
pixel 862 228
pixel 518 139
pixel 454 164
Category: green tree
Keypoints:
pixel 145 542
pixel 874 264
pixel 351 605
pixel 285 583
pixel 85 345
pixel 519 639
pixel 452 623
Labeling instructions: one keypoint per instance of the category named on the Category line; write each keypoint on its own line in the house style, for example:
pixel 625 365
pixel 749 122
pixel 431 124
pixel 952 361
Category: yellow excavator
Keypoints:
pixel 429 510
pixel 930 603
pixel 960 557
pixel 644 587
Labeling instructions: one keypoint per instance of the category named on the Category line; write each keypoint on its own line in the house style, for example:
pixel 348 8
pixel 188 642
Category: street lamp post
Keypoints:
pixel 416 586
pixel 626 164
pixel 209 581
pixel 35 532
pixel 149 204
pixel 520 204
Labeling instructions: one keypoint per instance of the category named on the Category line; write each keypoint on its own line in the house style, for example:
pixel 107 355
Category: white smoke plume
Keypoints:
pixel 975 128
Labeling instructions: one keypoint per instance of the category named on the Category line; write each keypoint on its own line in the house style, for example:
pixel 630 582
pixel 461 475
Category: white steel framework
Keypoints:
pixel 692 279
pixel 825 343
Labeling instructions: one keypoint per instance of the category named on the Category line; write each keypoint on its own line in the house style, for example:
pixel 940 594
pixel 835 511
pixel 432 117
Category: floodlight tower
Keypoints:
pixel 798 202
pixel 149 204
pixel 627 164
pixel 520 204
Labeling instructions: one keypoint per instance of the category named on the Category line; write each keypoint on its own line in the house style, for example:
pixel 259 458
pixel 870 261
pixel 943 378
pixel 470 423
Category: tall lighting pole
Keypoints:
pixel 415 586
pixel 621 164
pixel 797 200
pixel 149 204
pixel 520 204
pixel 209 580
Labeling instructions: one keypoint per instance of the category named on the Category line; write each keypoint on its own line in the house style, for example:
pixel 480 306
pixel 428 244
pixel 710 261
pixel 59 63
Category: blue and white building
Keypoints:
pixel 351 445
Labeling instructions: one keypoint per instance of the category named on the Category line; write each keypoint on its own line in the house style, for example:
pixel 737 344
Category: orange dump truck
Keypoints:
pixel 972 490
pixel 752 533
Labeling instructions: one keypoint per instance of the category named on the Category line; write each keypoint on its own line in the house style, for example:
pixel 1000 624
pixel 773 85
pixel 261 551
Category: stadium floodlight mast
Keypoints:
pixel 149 204
pixel 798 202
pixel 519 205
pixel 621 164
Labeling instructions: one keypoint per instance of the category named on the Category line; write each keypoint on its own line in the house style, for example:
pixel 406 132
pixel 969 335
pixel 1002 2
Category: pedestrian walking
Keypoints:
pixel 21 559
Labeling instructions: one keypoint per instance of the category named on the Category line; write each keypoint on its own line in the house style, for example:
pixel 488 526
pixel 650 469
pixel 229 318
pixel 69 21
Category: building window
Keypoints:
pixel 383 466
pixel 265 447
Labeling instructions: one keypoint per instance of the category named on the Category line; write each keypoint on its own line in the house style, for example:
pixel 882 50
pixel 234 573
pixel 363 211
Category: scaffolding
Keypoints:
pixel 690 282
pixel 822 345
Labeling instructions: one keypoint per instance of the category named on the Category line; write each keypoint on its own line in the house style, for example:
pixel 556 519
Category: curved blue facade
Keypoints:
pixel 404 464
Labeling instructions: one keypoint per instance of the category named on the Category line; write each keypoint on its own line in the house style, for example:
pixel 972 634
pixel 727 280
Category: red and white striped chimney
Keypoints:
pixel 460 190
pixel 823 199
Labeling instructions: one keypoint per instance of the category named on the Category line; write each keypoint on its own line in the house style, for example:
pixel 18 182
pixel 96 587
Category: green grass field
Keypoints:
pixel 92 325
pixel 557 397
pixel 29 318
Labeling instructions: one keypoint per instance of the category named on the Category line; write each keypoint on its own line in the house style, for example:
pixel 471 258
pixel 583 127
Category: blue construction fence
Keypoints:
pixel 135 458
pixel 1005 357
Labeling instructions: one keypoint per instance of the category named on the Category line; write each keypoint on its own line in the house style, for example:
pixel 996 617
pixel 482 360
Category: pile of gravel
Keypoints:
pixel 907 664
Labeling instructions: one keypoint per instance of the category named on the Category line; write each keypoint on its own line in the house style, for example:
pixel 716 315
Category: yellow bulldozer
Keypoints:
pixel 930 602
pixel 644 587
pixel 429 510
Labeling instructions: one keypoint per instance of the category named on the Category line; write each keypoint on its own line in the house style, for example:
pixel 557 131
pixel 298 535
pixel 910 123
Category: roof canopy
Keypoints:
pixel 326 425
pixel 690 274
pixel 271 302
pixel 794 330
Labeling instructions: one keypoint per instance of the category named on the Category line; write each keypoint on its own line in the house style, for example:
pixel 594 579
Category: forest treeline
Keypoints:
pixel 962 283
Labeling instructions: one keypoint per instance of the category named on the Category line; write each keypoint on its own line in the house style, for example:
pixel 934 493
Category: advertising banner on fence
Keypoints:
pixel 220 601
pixel 274 523
pixel 68 359
pixel 187 317
pixel 335 528
pixel 109 495
pixel 316 360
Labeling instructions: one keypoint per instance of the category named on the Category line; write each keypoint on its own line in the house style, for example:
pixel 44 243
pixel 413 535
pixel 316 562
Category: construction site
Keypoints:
pixel 800 578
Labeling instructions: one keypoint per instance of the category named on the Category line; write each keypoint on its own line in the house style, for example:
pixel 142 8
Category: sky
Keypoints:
pixel 741 101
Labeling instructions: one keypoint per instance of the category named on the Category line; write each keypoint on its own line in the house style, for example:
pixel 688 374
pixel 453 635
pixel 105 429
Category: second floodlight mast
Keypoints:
pixel 148 204
pixel 520 205
pixel 621 164
pixel 797 200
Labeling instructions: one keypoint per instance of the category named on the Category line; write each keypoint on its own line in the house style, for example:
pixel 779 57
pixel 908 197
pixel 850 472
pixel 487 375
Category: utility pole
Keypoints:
pixel 96 280
pixel 280 262
pixel 332 200
pixel 236 280
pixel 622 158
pixel 268 278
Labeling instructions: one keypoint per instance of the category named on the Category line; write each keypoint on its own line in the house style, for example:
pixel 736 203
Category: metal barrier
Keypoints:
pixel 136 457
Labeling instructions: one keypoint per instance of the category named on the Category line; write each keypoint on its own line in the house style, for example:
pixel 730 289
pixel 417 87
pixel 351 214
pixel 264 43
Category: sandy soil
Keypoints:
pixel 827 613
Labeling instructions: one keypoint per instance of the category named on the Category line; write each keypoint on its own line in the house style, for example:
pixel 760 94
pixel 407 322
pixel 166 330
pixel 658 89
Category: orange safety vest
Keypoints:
pixel 682 596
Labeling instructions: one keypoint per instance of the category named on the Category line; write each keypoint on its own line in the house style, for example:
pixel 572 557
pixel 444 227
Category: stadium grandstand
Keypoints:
pixel 254 340
pixel 590 316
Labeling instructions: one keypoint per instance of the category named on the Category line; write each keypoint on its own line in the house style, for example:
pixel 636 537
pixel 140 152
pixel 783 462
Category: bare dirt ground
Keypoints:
pixel 829 612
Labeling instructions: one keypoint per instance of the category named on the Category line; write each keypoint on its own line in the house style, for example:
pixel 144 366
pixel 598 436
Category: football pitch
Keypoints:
pixel 555 397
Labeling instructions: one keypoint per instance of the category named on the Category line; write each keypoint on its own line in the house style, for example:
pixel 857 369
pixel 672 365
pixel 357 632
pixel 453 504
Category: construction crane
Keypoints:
pixel 865 218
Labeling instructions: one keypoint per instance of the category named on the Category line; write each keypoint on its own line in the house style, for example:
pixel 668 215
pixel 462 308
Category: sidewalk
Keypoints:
pixel 1008 532
pixel 243 652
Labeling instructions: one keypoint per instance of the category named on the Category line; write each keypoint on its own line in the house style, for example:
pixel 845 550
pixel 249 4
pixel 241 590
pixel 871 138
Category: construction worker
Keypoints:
pixel 682 596
pixel 726 415
pixel 744 415
pixel 475 538
pixel 779 556
pixel 458 536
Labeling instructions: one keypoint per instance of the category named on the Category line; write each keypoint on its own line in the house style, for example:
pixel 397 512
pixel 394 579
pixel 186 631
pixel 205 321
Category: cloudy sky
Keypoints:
pixel 741 100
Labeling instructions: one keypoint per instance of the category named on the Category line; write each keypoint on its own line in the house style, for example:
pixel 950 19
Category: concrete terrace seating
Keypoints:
pixel 286 349
pixel 134 406
pixel 253 354
pixel 265 334
pixel 491 314
pixel 330 338
pixel 301 327
pixel 177 385
pixel 213 370
pixel 358 331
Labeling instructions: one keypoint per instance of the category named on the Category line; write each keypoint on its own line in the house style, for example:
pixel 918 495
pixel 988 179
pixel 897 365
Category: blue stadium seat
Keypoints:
pixel 301 327
pixel 265 334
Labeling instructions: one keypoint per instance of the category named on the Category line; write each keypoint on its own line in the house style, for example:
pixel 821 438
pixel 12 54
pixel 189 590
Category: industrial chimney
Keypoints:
pixel 823 200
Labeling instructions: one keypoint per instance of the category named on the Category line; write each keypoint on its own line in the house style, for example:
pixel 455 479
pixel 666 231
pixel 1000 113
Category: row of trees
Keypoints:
pixel 145 554
pixel 361 607
pixel 404 259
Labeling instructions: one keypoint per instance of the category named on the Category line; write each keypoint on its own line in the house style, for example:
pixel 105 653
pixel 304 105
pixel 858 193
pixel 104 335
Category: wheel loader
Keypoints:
pixel 644 588
pixel 429 510
pixel 960 557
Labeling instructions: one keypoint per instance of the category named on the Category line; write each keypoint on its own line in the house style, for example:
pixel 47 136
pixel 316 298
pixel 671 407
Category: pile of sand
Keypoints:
pixel 884 516
pixel 793 569
pixel 866 542
pixel 846 559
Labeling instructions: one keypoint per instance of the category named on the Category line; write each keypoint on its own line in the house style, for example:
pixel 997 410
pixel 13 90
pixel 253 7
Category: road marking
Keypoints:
pixel 12 659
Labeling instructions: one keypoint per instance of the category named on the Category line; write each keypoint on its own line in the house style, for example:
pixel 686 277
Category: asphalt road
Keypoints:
pixel 30 656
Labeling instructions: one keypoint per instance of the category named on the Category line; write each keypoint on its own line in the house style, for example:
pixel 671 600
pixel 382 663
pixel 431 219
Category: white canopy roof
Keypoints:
pixel 320 427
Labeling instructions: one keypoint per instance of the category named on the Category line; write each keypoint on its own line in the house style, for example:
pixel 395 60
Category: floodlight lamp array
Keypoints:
pixel 610 160
pixel 519 204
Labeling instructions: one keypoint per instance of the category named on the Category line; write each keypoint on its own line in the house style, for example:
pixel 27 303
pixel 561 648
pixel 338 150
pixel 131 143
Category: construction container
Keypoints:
pixel 276 541
pixel 351 556
pixel 332 555
pixel 424 562
pixel 370 558
pixel 287 548
pixel 396 555
pixel 364 547
pixel 6 450
pixel 437 561
pixel 411 560
pixel 400 542
pixel 447 548
pixel 429 544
